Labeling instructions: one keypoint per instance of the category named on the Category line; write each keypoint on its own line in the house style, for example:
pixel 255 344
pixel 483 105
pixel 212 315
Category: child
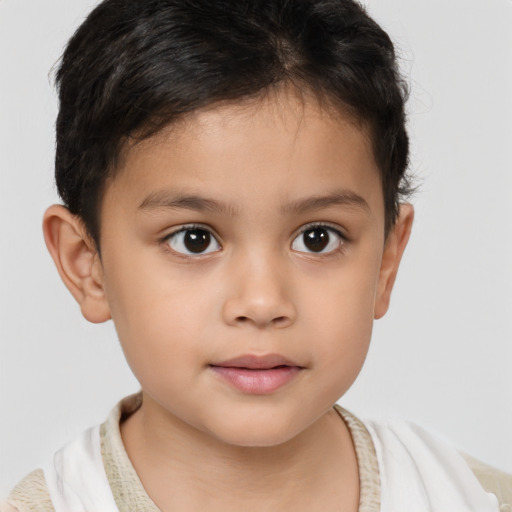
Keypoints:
pixel 232 174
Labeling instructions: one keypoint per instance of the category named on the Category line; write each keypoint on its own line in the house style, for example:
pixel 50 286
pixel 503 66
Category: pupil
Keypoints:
pixel 197 240
pixel 316 239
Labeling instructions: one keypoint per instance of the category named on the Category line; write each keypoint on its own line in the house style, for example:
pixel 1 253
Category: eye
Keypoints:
pixel 193 240
pixel 318 239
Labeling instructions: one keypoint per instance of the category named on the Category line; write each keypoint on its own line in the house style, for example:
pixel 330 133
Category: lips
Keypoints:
pixel 253 362
pixel 258 375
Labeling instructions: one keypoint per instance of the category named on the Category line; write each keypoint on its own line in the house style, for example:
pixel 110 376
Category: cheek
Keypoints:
pixel 343 337
pixel 342 312
pixel 343 330
pixel 160 317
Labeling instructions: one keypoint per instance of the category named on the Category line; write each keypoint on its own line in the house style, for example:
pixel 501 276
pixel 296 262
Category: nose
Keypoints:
pixel 259 295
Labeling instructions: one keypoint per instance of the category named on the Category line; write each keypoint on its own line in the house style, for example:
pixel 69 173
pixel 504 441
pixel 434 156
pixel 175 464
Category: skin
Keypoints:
pixel 262 167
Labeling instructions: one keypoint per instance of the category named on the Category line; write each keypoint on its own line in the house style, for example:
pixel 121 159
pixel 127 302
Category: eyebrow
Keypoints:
pixel 339 198
pixel 166 200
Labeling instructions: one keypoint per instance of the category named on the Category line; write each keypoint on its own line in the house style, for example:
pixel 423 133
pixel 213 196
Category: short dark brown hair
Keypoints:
pixel 135 66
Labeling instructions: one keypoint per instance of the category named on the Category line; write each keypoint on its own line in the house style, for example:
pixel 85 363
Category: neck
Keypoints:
pixel 205 470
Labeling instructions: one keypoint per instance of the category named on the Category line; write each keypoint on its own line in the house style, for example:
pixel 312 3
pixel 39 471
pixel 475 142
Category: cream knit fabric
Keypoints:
pixel 31 495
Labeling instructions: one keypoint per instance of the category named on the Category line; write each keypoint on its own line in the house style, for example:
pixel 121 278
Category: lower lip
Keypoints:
pixel 257 382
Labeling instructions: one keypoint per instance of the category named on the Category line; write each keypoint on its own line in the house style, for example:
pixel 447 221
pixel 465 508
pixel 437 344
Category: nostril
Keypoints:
pixel 276 322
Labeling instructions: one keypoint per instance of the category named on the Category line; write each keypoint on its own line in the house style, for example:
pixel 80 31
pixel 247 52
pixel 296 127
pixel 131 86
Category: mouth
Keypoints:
pixel 257 375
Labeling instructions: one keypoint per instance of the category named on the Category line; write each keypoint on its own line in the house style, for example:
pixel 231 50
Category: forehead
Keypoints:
pixel 261 152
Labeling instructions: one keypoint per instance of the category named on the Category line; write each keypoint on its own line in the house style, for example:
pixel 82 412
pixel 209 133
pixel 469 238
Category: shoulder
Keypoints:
pixel 86 452
pixel 492 480
pixel 401 444
pixel 31 494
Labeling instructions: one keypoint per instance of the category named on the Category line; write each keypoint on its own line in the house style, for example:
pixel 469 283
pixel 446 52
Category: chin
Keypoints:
pixel 258 439
pixel 256 434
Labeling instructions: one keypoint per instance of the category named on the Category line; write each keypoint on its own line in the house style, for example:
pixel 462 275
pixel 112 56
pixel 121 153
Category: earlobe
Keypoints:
pixel 77 261
pixel 393 250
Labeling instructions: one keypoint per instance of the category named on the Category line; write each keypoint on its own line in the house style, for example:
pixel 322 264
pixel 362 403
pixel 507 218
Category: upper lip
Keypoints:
pixel 255 362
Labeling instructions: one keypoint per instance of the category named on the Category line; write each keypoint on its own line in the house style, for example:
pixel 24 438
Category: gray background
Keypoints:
pixel 442 356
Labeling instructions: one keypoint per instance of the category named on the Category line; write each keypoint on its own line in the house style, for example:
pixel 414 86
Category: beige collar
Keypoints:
pixel 130 494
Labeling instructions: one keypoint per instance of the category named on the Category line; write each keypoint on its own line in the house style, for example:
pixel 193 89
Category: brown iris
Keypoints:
pixel 316 239
pixel 197 240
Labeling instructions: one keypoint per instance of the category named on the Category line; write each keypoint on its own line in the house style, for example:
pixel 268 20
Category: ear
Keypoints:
pixel 393 249
pixel 77 261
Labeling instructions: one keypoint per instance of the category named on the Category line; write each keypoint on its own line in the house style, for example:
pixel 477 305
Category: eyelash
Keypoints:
pixel 328 227
pixel 190 227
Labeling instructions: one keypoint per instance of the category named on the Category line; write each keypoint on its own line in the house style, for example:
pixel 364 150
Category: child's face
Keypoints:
pixel 246 232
